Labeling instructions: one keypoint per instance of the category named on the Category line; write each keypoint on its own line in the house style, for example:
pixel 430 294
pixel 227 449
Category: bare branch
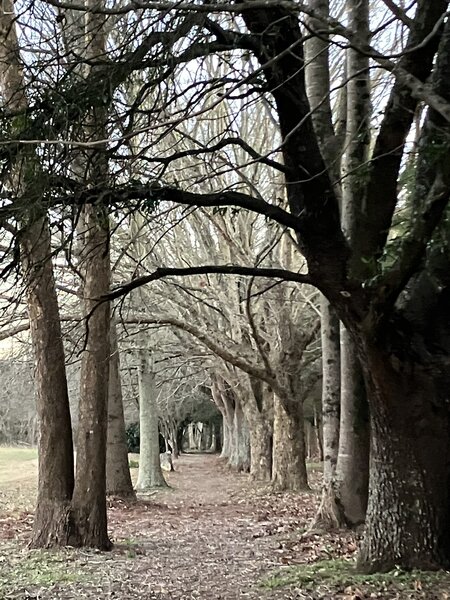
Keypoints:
pixel 163 272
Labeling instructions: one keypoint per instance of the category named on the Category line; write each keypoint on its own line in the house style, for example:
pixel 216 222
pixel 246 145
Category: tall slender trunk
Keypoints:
pixel 89 498
pixel 352 476
pixel 329 514
pixel 353 460
pixel 118 478
pixel 408 517
pixel 150 472
pixel 55 447
pixel 289 465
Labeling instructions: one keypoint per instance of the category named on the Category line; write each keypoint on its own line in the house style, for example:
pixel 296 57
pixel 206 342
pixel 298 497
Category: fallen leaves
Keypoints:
pixel 214 535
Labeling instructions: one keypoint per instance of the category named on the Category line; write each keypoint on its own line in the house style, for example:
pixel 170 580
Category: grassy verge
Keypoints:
pixel 340 575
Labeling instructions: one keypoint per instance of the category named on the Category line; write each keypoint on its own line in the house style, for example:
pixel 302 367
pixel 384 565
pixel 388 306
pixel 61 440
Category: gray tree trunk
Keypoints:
pixel 329 514
pixel 118 478
pixel 289 465
pixel 353 460
pixel 240 452
pixel 150 472
pixel 352 475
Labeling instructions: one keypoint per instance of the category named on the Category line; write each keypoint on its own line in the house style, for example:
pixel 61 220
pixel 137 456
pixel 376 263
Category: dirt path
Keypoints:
pixel 213 535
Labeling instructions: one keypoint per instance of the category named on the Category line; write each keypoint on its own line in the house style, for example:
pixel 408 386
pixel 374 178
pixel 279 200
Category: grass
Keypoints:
pixel 18 479
pixel 17 465
pixel 341 574
pixel 36 568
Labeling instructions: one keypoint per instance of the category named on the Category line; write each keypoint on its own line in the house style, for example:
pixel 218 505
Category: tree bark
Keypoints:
pixel 226 445
pixel 240 451
pixel 258 410
pixel 260 450
pixel 89 498
pixel 118 478
pixel 288 465
pixel 329 514
pixel 352 476
pixel 409 511
pixel 150 472
pixel 55 446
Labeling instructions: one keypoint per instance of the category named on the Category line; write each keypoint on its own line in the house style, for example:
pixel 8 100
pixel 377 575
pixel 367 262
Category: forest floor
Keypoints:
pixel 213 535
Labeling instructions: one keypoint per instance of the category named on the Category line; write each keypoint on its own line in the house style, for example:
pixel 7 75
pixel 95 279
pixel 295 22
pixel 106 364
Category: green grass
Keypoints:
pixel 36 568
pixel 17 464
pixel 341 574
pixel 18 479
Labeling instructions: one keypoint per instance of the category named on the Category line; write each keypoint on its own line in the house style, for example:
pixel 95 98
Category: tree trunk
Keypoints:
pixel 174 441
pixel 51 523
pixel 240 451
pixel 150 472
pixel 226 445
pixel 118 478
pixel 408 518
pixel 55 447
pixel 352 476
pixel 260 450
pixel 288 465
pixel 89 499
pixel 329 514
pixel 318 431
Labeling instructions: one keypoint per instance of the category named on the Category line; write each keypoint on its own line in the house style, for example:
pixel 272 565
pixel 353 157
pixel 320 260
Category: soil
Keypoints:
pixel 213 535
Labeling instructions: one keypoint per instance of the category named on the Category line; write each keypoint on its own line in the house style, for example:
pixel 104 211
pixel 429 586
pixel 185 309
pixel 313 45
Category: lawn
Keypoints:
pixel 18 478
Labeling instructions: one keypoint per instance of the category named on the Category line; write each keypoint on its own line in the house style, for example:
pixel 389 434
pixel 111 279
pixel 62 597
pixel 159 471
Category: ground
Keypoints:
pixel 214 535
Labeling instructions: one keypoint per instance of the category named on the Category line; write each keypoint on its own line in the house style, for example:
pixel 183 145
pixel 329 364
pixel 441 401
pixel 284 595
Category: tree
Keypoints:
pixel 118 478
pixel 387 292
pixel 374 284
pixel 51 525
pixel 150 473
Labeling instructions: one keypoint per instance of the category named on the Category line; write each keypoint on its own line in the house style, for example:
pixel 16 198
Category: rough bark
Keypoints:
pixel 261 450
pixel 118 478
pixel 258 409
pixel 408 515
pixel 150 472
pixel 288 465
pixel 89 498
pixel 240 451
pixel 55 447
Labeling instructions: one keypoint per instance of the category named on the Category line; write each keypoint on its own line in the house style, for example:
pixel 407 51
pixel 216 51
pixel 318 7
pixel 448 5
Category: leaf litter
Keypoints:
pixel 214 535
